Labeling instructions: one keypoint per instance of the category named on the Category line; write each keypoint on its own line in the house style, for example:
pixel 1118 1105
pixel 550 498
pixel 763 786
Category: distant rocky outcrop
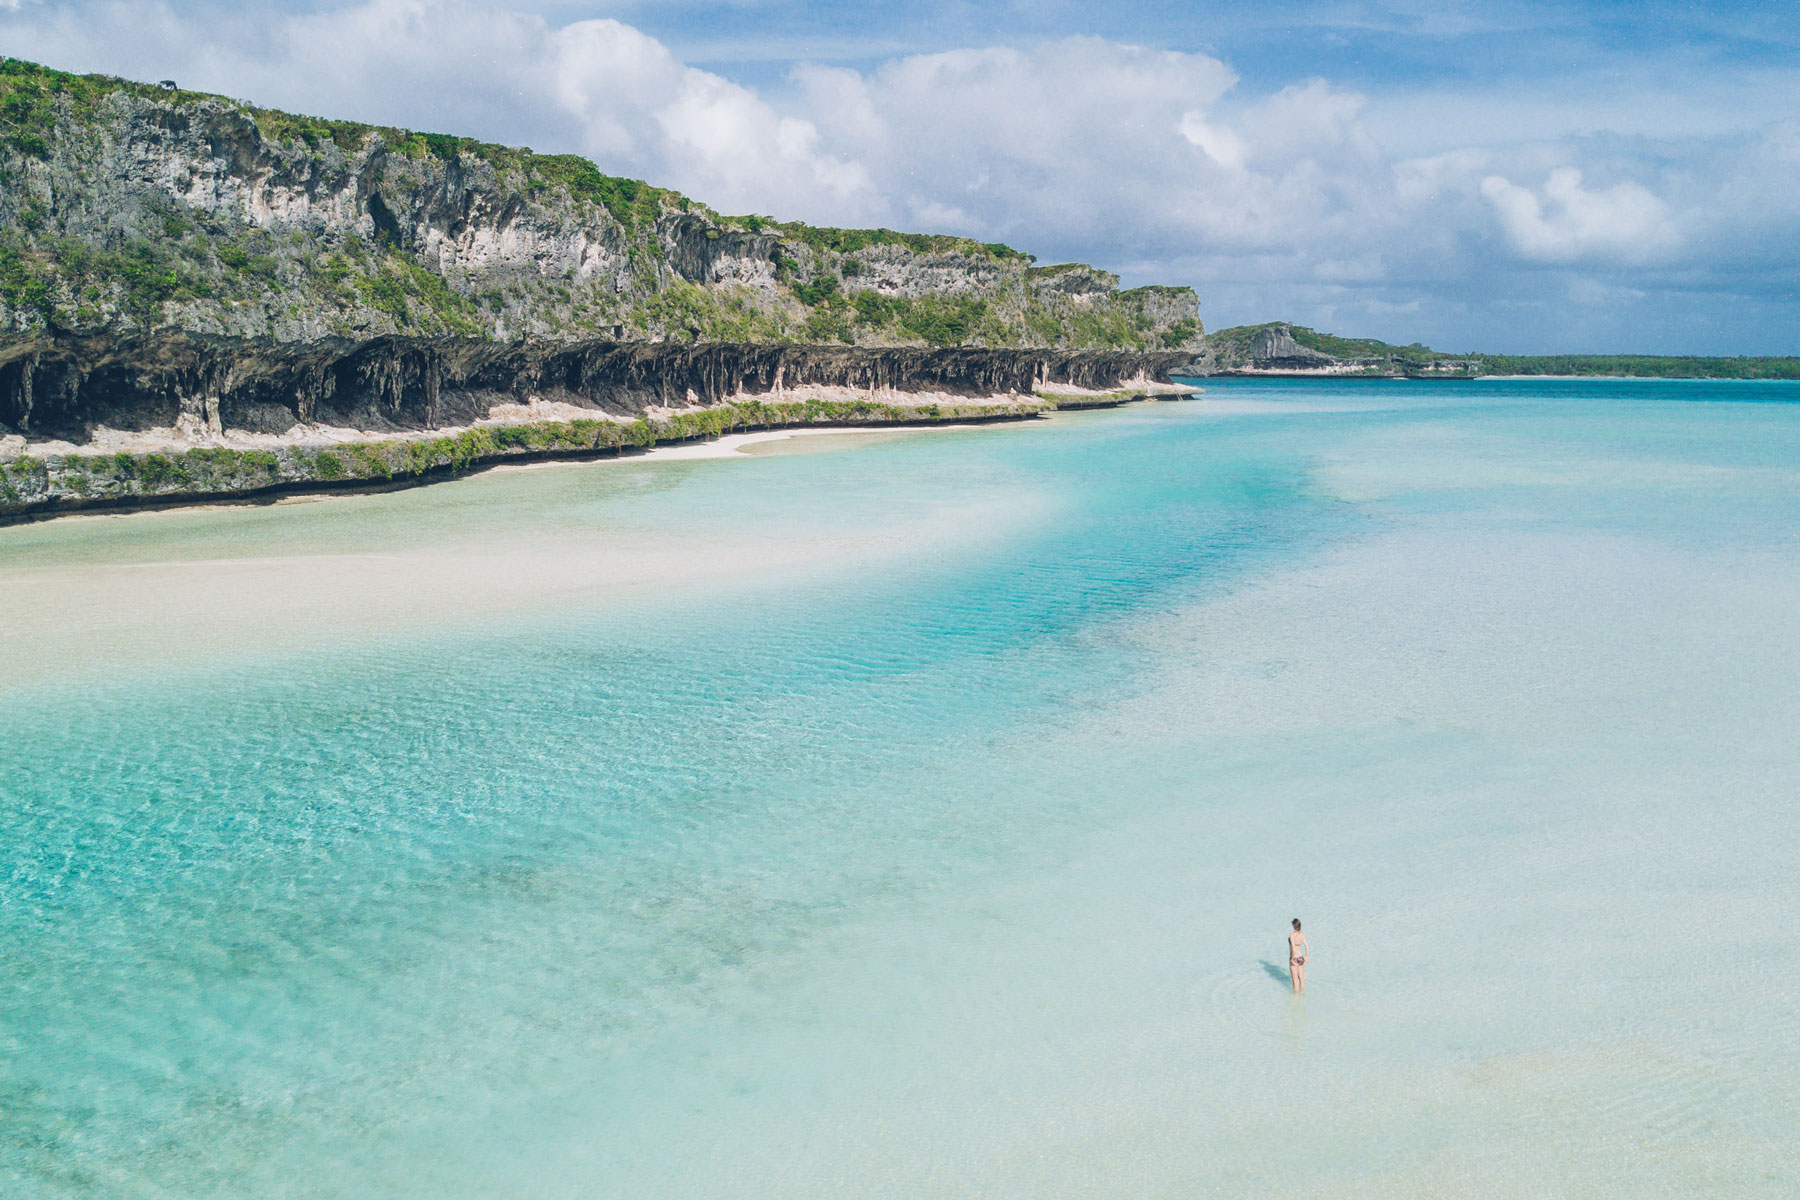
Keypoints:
pixel 1274 348
pixel 1283 349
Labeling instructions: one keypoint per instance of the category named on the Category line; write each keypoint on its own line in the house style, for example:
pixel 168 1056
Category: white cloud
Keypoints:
pixel 1309 120
pixel 1221 145
pixel 1069 136
pixel 1623 223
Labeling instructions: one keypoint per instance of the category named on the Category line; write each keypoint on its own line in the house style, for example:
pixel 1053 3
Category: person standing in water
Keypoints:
pixel 1297 948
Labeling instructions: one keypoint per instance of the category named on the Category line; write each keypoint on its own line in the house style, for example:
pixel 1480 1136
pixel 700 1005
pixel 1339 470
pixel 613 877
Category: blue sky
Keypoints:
pixel 1520 176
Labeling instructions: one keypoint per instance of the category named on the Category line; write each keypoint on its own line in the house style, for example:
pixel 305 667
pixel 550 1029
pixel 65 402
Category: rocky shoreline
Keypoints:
pixel 200 385
pixel 166 469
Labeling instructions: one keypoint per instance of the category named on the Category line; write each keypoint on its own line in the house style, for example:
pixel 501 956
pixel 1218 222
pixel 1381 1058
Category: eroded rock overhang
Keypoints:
pixel 66 387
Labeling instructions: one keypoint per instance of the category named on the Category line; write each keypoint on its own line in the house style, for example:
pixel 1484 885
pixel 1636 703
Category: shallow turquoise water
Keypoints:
pixel 926 817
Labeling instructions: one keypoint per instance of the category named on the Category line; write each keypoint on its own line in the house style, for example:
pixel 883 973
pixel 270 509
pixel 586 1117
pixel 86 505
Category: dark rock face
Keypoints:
pixel 197 384
pixel 1275 349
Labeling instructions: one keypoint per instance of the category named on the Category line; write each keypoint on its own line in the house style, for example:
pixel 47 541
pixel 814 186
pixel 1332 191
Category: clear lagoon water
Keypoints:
pixel 905 815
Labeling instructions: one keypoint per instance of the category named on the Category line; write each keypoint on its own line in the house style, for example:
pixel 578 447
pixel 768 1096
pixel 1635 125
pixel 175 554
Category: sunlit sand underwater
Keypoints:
pixel 923 815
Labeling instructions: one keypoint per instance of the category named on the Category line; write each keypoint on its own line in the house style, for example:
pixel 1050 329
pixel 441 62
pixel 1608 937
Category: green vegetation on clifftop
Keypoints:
pixel 296 227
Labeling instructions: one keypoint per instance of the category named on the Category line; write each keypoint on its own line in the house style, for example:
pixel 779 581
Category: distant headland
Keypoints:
pixel 1279 348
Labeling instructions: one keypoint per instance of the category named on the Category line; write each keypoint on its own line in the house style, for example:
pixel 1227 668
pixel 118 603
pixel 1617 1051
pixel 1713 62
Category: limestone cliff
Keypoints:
pixel 176 258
